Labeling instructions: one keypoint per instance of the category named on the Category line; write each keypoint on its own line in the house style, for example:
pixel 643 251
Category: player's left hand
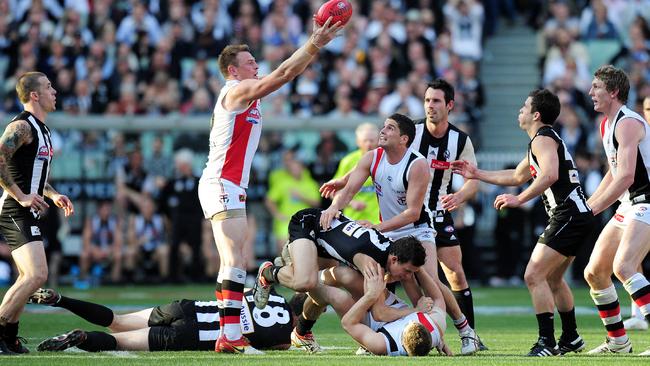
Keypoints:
pixel 444 349
pixel 506 200
pixel 450 202
pixel 373 284
pixel 63 202
pixel 365 223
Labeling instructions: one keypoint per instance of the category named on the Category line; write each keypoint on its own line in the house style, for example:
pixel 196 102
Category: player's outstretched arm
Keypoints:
pixel 357 177
pixel 252 89
pixel 545 149
pixel 507 177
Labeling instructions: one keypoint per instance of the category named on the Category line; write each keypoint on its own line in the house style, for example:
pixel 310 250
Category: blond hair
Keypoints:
pixel 416 340
pixel 27 83
pixel 228 57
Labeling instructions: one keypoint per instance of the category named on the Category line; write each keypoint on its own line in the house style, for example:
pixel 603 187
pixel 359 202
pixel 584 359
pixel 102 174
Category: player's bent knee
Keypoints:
pixel 624 270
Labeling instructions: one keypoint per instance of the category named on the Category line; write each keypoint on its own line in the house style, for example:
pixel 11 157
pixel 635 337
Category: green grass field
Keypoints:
pixel 505 322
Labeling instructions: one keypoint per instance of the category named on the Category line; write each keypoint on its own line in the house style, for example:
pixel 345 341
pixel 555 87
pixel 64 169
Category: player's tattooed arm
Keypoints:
pixel 15 135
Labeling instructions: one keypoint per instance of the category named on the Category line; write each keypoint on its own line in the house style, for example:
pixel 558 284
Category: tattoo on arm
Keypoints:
pixel 15 135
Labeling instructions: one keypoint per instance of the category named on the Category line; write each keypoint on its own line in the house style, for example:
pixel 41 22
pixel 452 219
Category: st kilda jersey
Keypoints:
pixel 30 165
pixel 565 197
pixel 639 191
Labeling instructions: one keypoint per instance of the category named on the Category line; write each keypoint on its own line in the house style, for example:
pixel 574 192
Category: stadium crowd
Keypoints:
pixel 159 57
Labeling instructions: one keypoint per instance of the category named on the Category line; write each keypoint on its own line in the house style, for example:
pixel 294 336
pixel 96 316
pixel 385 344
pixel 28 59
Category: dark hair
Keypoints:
pixel 409 250
pixel 228 57
pixel 546 103
pixel 443 85
pixel 27 83
pixel 406 126
pixel 614 79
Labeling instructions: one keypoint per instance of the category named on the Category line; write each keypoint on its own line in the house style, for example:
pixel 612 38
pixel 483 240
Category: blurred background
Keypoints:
pixel 137 82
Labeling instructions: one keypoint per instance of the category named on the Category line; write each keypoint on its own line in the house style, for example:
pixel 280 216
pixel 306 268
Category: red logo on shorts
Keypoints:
pixel 242 198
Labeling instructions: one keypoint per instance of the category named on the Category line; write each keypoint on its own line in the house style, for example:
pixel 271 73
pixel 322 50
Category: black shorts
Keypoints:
pixel 20 228
pixel 173 327
pixel 445 231
pixel 304 225
pixel 567 234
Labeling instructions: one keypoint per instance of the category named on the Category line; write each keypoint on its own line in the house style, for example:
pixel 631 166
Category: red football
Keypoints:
pixel 340 10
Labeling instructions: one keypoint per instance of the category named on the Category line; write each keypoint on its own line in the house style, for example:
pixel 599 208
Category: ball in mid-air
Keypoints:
pixel 340 10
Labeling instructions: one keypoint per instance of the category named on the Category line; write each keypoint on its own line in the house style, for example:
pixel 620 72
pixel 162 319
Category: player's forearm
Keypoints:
pixel 342 199
pixel 406 217
pixel 49 191
pixel 612 193
pixel 498 177
pixel 383 313
pixel 541 183
pixel 357 312
pixel 298 61
pixel 468 190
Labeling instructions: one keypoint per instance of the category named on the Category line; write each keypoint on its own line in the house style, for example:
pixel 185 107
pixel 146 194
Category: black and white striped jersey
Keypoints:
pixel 439 152
pixel 30 165
pixel 639 191
pixel 565 197
pixel 343 240
pixel 264 328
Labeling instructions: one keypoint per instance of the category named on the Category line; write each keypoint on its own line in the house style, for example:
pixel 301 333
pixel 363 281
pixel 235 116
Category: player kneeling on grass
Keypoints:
pixel 415 334
pixel 184 325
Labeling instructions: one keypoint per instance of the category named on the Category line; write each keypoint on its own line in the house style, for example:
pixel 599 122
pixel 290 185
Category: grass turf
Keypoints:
pixel 508 336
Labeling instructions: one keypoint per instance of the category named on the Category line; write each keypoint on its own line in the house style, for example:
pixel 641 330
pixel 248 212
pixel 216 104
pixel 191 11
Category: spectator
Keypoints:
pixel 102 243
pixel 401 100
pixel 139 23
pixel 291 189
pixel 148 251
pixel 600 26
pixel 466 27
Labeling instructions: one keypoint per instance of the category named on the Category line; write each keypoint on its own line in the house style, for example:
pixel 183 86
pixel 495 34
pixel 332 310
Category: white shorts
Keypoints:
pixel 423 233
pixel 626 212
pixel 218 195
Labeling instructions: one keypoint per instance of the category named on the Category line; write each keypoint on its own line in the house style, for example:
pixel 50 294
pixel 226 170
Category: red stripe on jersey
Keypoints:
pixel 643 300
pixel 424 321
pixel 602 128
pixel 233 166
pixel 231 319
pixel 609 313
pixel 375 164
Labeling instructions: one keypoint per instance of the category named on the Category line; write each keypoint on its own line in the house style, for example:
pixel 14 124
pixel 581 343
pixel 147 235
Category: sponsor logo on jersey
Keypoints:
pixel 242 198
pixel 390 179
pixel 253 116
pixel 401 201
pixel 246 320
pixel 573 176
pixel 438 164
pixel 35 230
pixel 378 189
pixel 224 198
pixel 533 171
pixel 642 208
pixel 619 217
pixel 446 154
pixel 639 214
pixel 44 153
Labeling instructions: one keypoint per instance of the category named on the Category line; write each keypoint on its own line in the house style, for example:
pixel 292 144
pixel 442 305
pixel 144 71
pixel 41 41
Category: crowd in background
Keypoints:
pixel 158 57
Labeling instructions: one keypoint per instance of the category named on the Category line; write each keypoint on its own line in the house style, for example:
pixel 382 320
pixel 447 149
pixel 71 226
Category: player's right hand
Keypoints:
pixel 322 35
pixel 34 201
pixel 373 283
pixel 329 189
pixel 464 168
pixel 327 216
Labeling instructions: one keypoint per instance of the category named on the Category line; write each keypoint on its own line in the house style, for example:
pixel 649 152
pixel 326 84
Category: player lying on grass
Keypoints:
pixel 415 334
pixel 183 325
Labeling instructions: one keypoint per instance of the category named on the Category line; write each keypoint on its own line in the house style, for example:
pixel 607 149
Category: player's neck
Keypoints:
pixel 613 108
pixel 532 130
pixel 36 110
pixel 438 129
pixel 395 155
